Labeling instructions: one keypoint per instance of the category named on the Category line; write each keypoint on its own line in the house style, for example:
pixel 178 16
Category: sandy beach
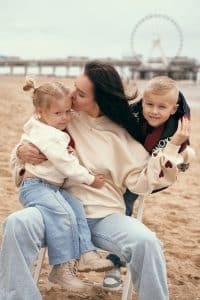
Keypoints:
pixel 174 214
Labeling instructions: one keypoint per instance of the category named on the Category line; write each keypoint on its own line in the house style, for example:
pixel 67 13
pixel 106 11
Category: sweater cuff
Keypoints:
pixel 171 152
pixel 91 179
pixel 171 149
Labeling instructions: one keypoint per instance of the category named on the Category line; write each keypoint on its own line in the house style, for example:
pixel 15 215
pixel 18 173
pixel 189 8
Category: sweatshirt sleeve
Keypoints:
pixel 17 166
pixel 65 162
pixel 157 171
pixel 188 155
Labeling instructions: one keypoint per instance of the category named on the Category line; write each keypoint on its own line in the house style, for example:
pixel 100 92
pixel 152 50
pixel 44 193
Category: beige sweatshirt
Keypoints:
pixel 104 147
pixel 53 143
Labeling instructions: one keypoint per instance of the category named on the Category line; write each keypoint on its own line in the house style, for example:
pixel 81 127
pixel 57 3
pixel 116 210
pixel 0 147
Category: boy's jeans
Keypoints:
pixel 67 234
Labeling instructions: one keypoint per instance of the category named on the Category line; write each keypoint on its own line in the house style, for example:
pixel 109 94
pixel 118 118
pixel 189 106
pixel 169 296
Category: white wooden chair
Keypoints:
pixel 127 286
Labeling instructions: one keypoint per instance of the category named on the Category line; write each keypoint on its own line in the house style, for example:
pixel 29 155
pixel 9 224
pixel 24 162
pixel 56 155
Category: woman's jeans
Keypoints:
pixel 67 234
pixel 24 235
pixel 129 199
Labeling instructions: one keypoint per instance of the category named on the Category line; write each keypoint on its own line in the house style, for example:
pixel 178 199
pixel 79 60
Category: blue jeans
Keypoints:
pixel 64 219
pixel 129 199
pixel 24 235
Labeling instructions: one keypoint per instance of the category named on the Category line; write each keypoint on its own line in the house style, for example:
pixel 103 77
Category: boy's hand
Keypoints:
pixel 182 133
pixel 98 181
pixel 29 153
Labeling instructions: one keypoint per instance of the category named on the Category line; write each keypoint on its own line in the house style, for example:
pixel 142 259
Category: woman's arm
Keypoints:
pixel 158 171
pixel 21 154
pixel 29 153
pixel 161 168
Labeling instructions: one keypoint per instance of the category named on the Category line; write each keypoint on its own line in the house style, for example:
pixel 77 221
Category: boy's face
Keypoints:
pixel 158 108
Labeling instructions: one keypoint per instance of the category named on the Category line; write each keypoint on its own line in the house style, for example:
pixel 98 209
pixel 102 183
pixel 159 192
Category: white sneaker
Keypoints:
pixel 112 280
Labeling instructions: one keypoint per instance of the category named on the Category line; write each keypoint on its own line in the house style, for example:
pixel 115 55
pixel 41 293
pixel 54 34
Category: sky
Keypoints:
pixel 96 28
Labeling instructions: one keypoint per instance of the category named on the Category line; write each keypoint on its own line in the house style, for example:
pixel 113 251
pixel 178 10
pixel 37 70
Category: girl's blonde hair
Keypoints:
pixel 45 93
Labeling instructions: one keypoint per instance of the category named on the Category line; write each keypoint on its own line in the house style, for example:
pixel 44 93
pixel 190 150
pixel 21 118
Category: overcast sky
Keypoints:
pixel 94 28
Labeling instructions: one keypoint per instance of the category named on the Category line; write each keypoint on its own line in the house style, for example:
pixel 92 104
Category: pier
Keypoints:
pixel 179 68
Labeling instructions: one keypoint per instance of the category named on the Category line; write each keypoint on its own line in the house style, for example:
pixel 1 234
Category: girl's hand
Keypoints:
pixel 98 181
pixel 29 153
pixel 182 133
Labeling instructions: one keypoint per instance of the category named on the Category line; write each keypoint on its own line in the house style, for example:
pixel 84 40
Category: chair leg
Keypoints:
pixel 128 287
pixel 49 284
pixel 140 208
pixel 38 268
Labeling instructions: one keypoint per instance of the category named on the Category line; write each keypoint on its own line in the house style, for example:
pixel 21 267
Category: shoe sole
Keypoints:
pixel 69 288
pixel 114 289
pixel 102 269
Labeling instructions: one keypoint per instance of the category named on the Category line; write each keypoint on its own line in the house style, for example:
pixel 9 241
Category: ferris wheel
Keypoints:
pixel 156 35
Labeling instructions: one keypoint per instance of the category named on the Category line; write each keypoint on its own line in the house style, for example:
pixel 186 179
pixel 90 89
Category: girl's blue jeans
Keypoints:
pixel 67 234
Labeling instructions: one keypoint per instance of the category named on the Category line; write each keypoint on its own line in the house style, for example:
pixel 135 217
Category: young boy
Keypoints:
pixel 163 115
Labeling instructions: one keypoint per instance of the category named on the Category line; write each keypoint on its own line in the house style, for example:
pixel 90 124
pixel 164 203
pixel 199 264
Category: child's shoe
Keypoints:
pixel 65 275
pixel 90 261
pixel 112 280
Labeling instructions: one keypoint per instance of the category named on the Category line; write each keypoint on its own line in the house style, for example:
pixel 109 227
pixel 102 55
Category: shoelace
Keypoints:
pixel 72 268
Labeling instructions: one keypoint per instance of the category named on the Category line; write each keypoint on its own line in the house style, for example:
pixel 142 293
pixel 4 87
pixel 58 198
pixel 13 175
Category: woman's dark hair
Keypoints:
pixel 110 95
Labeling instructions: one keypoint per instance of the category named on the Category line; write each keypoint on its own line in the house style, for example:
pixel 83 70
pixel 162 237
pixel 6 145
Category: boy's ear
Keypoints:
pixel 174 109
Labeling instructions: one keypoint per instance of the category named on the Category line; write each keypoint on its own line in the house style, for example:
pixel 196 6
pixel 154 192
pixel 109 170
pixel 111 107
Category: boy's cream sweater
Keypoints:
pixel 106 148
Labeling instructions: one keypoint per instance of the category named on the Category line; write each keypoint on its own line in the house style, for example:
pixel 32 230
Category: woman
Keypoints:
pixel 101 144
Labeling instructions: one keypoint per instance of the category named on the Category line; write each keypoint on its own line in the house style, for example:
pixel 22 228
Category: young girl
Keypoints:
pixel 42 185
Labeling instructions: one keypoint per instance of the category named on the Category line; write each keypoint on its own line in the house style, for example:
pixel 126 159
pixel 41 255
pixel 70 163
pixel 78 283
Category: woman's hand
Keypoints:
pixel 98 181
pixel 182 133
pixel 30 154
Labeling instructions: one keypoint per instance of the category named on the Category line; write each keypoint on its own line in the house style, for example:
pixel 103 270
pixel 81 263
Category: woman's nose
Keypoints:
pixel 73 94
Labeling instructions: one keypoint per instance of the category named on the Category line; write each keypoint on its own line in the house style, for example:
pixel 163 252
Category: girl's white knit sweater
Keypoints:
pixel 60 164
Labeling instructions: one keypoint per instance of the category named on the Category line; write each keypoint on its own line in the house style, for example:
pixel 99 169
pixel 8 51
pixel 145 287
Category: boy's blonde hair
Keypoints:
pixel 161 85
pixel 45 93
